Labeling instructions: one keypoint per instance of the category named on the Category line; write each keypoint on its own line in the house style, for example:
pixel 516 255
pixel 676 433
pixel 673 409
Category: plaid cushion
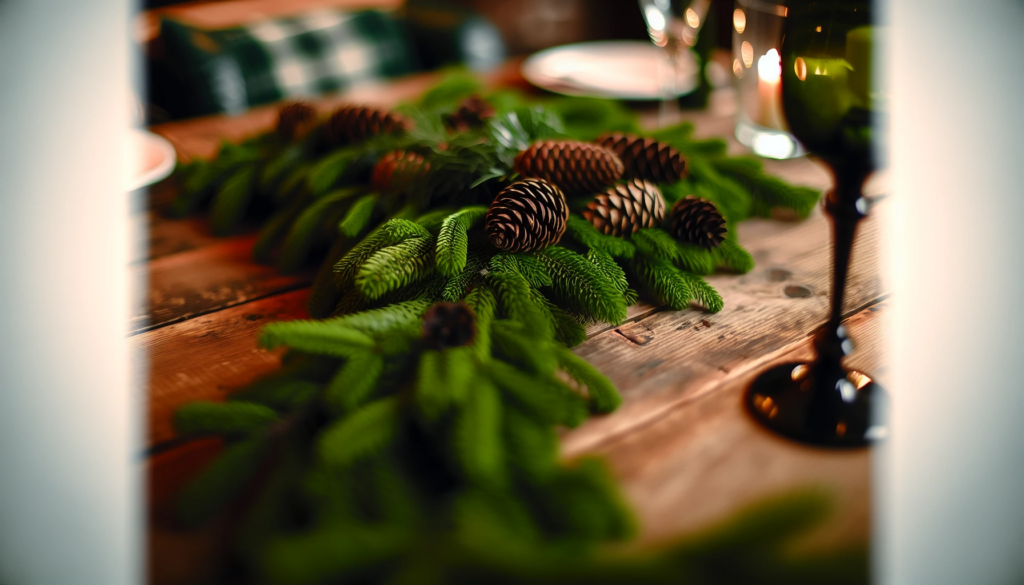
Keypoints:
pixel 233 69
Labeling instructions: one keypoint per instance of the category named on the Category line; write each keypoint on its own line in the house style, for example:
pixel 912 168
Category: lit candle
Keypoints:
pixel 769 90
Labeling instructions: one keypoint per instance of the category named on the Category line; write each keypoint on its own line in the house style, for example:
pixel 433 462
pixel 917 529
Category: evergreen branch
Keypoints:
pixel 283 392
pixel 542 398
pixel 391 232
pixel 768 192
pixel 705 294
pixel 218 484
pixel 308 226
pixel 443 379
pixel 582 286
pixel 456 287
pixel 453 240
pixel 532 445
pixel 316 337
pixel 366 431
pixel 293 184
pixel 277 168
pixel 587 235
pixel 518 302
pixel 476 436
pixel 567 329
pixel 353 382
pixel 656 243
pixel 233 419
pixel 402 318
pixel 485 306
pixel 732 200
pixel 434 219
pixel 231 200
pixel 526 265
pixel 358 216
pixel 664 281
pixel 275 230
pixel 604 398
pixel 396 266
pixel 513 344
pixel 326 173
pixel 734 257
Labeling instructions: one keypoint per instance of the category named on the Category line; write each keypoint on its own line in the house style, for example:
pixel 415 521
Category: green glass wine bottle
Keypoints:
pixel 830 104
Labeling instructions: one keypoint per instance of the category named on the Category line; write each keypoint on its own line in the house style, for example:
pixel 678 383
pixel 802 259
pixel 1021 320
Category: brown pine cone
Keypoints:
pixel 527 215
pixel 352 124
pixel 646 158
pixel 449 325
pixel 295 120
pixel 577 168
pixel 397 171
pixel 472 113
pixel 626 207
pixel 697 221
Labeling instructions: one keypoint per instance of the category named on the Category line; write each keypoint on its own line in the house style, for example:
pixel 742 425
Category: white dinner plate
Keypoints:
pixel 629 70
pixel 150 159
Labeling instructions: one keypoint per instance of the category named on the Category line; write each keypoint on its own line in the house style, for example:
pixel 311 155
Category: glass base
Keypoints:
pixel 768 142
pixel 848 412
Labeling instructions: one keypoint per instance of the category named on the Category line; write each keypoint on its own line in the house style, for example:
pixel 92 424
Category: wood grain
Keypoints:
pixel 669 356
pixel 206 279
pixel 207 357
pixel 699 461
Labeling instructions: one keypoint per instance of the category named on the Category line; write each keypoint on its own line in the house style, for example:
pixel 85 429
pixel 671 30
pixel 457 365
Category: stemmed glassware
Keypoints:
pixel 673 25
pixel 830 105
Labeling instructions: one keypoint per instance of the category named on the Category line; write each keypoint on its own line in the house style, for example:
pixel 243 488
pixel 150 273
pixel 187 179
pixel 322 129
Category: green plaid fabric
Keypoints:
pixel 233 69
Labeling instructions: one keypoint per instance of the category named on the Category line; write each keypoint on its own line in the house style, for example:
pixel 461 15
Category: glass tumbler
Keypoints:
pixel 757 67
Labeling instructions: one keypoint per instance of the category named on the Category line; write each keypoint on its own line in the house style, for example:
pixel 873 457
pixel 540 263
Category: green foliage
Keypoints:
pixel 366 431
pixel 582 286
pixel 214 488
pixel 312 222
pixel 232 419
pixel 358 216
pixel 231 200
pixel 604 398
pixel 396 266
pixel 354 382
pixel 453 240
pixel 442 465
pixel 587 235
pixel 316 337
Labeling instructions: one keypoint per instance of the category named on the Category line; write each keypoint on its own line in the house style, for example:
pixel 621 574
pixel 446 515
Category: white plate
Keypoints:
pixel 629 70
pixel 150 159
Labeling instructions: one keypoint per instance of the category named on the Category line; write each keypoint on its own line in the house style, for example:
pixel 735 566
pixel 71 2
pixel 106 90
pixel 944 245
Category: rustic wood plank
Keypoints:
pixel 669 356
pixel 206 357
pixel 207 279
pixel 699 462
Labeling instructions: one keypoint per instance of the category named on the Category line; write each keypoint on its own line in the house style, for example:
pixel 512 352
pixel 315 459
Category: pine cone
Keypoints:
pixel 351 124
pixel 397 171
pixel 449 325
pixel 697 221
pixel 295 120
pixel 577 168
pixel 626 208
pixel 472 113
pixel 527 215
pixel 646 158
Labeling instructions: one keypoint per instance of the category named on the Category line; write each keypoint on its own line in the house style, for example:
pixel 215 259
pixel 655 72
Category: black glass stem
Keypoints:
pixel 828 104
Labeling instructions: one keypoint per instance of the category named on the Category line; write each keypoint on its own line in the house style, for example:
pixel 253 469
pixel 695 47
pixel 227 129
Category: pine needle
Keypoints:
pixel 353 382
pixel 734 257
pixel 217 485
pixel 587 235
pixel 604 398
pixel 231 201
pixel 366 431
pixel 453 240
pixel 443 380
pixel 526 265
pixel 232 419
pixel 582 286
pixel 303 233
pixel 396 266
pixel 476 436
pixel 316 337
pixel 657 243
pixel 518 302
pixel 326 173
pixel 484 305
pixel 358 216
pixel 665 282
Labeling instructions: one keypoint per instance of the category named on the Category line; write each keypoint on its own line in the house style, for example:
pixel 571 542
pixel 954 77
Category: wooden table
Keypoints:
pixel 682 446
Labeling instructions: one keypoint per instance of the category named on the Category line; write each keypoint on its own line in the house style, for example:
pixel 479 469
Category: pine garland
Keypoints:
pixel 387 457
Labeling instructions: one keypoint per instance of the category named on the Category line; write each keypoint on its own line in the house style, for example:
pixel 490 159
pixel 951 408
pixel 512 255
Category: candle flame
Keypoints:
pixel 769 66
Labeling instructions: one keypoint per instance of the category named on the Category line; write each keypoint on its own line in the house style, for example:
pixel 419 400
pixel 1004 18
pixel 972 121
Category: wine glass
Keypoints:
pixel 829 103
pixel 673 25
